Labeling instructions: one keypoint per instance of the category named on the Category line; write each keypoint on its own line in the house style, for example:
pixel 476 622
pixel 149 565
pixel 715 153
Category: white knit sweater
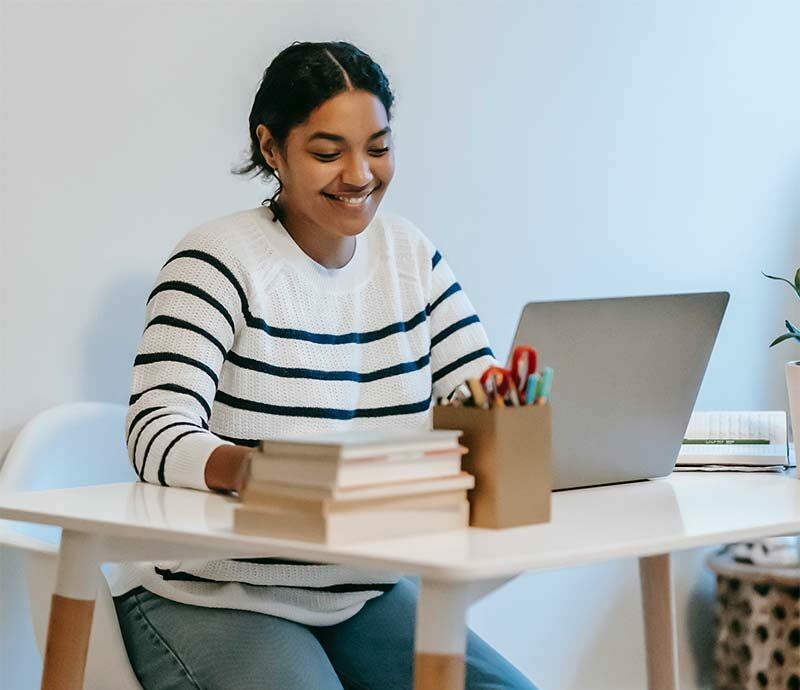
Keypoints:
pixel 248 338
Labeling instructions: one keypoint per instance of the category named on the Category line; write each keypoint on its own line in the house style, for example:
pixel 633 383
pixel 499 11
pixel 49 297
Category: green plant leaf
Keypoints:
pixel 797 280
pixel 794 287
pixel 785 336
pixel 792 329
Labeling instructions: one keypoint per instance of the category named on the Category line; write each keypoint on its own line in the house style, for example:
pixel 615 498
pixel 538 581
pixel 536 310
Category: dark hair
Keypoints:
pixel 299 80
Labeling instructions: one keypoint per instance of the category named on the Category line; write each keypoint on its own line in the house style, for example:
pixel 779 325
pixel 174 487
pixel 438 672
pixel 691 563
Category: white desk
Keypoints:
pixel 645 520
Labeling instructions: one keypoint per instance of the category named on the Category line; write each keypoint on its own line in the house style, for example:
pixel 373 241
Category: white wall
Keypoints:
pixel 596 149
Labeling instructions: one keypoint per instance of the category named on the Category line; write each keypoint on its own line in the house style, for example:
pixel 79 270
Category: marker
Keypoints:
pixel 530 389
pixel 545 384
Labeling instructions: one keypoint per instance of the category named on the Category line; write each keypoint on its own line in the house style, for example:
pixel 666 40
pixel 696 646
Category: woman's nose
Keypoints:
pixel 357 172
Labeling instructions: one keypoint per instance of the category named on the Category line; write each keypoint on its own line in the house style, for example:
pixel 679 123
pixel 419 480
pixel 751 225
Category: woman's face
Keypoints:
pixel 338 164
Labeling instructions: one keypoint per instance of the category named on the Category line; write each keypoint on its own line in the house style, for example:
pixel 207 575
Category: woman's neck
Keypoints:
pixel 327 249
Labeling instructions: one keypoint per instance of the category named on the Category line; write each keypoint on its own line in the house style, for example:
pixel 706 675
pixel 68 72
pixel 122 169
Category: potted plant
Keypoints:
pixel 792 368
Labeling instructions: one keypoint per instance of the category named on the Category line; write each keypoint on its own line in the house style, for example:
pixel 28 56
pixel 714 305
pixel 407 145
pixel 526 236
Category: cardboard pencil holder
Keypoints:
pixel 510 455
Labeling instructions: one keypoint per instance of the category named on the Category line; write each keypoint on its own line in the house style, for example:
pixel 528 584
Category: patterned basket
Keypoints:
pixel 757 620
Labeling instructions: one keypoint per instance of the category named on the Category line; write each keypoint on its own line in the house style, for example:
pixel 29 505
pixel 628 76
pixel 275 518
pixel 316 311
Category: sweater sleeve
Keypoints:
pixel 459 345
pixel 192 317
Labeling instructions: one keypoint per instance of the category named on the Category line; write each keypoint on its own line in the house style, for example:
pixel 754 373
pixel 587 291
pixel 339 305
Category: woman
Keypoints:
pixel 314 314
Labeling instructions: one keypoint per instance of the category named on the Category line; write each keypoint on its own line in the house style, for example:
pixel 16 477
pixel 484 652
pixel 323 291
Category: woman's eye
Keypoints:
pixel 326 157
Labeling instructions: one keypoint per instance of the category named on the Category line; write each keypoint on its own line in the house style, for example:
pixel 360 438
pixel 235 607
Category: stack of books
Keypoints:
pixel 345 487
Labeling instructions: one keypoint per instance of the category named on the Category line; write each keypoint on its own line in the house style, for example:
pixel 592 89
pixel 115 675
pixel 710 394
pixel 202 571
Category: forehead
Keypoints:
pixel 354 115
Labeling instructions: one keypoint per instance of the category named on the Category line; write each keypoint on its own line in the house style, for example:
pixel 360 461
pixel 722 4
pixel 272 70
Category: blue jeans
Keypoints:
pixel 174 646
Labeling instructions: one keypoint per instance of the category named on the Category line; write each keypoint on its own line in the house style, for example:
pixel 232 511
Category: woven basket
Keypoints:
pixel 757 620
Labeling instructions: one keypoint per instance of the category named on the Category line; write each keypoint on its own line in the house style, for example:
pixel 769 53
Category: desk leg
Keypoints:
pixel 71 612
pixel 441 635
pixel 658 606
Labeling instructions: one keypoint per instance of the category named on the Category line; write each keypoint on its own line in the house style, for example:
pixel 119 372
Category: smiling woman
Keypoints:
pixel 315 314
pixel 320 126
pixel 334 169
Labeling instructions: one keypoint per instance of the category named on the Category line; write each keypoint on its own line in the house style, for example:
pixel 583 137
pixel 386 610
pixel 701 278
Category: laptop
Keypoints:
pixel 627 371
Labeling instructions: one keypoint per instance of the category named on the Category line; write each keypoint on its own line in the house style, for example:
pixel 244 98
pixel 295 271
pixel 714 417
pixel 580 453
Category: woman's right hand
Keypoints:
pixel 228 468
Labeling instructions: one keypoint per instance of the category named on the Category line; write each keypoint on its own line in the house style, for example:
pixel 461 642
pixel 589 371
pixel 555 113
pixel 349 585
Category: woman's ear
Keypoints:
pixel 267 145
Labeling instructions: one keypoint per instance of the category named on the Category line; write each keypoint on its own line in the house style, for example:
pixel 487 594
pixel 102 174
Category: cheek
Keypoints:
pixel 384 168
pixel 312 177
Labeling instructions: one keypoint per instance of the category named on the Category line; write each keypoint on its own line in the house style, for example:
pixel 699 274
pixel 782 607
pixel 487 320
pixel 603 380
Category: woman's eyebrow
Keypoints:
pixel 337 138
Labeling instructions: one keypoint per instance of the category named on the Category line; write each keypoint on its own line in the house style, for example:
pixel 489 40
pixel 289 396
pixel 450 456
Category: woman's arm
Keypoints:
pixel 192 317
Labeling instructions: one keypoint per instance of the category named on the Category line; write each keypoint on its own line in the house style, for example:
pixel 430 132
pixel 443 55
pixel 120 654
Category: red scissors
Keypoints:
pixel 498 382
pixel 523 364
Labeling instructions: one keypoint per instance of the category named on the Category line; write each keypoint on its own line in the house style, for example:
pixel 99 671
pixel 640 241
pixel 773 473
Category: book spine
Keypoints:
pixel 726 441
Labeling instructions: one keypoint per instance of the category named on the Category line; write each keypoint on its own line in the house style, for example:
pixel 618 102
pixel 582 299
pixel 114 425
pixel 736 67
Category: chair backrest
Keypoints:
pixel 74 444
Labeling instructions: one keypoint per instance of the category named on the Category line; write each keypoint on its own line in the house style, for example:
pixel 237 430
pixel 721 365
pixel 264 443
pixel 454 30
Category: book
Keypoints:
pixel 318 499
pixel 730 468
pixel 756 455
pixel 347 527
pixel 351 445
pixel 735 439
pixel 311 471
pixel 328 507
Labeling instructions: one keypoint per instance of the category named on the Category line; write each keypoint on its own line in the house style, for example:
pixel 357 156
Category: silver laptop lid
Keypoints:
pixel 627 371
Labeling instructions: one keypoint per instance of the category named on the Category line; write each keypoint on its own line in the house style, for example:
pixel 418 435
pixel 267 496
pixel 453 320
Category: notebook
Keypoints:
pixel 746 439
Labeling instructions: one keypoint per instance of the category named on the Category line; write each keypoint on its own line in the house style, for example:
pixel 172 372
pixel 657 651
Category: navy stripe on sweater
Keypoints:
pixel 152 440
pixel 437 257
pixel 321 375
pixel 452 328
pixel 321 412
pixel 175 388
pixel 139 415
pixel 165 320
pixel 190 289
pixel 344 338
pixel 163 465
pixel 251 442
pixel 460 362
pixel 154 357
pixel 453 289
pixel 144 426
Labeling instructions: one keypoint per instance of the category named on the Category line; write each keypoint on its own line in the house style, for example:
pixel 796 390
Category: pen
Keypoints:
pixel 460 394
pixel 478 394
pixel 513 395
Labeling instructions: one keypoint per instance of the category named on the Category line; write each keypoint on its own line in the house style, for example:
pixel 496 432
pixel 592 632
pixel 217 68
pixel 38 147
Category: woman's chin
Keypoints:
pixel 350 227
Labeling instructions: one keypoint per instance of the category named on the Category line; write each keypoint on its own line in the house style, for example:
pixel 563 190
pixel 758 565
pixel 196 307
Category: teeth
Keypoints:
pixel 353 201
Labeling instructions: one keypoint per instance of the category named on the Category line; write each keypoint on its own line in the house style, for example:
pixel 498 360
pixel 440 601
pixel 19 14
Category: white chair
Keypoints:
pixel 75 444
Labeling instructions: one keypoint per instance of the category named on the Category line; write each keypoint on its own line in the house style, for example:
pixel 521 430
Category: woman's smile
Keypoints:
pixel 350 201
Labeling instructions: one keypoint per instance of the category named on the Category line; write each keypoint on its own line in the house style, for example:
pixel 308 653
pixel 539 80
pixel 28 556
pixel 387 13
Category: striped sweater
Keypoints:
pixel 248 338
